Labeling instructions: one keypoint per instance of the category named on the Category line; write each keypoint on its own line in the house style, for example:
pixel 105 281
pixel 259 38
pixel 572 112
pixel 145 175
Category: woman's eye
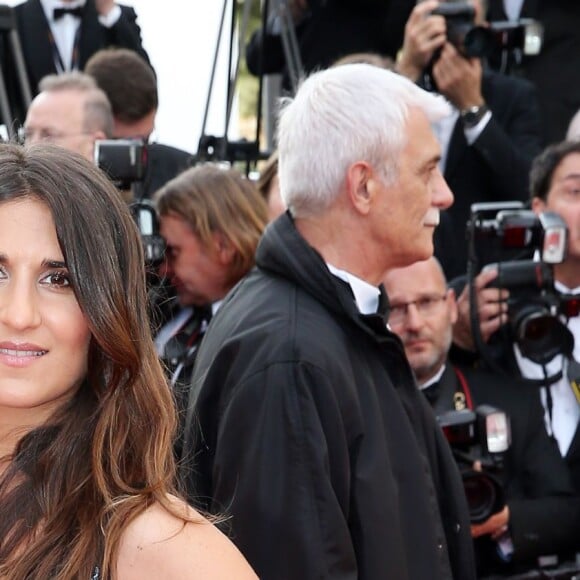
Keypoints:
pixel 58 279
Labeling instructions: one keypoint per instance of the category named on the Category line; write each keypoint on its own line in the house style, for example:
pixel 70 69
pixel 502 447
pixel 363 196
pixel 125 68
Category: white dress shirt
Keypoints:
pixel 65 29
pixel 565 406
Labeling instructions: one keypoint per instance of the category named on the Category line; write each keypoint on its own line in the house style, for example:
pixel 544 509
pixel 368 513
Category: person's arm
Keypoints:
pixel 123 32
pixel 508 136
pixel 265 50
pixel 280 466
pixel 158 544
pixel 544 507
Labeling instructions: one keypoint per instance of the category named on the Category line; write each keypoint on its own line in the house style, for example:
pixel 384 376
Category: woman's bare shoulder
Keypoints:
pixel 157 544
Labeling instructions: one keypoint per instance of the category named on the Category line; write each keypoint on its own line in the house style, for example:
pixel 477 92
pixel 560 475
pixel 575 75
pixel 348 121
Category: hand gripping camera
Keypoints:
pixel 524 35
pixel 481 436
pixel 526 246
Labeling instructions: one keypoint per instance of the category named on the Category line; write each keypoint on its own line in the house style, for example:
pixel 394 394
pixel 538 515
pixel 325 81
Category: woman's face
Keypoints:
pixel 44 335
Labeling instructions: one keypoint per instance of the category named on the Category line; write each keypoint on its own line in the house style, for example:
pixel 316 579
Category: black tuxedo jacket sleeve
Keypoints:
pixel 33 30
pixel 494 168
pixel 555 70
pixel 334 29
pixel 544 508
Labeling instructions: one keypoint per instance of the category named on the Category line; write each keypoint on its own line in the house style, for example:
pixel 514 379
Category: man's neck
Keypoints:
pixel 343 250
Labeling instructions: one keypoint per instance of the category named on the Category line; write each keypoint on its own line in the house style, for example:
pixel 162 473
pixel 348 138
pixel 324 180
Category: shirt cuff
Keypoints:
pixel 110 19
pixel 473 133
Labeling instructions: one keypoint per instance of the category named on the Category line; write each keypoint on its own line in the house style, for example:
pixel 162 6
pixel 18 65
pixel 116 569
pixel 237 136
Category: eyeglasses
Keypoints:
pixel 426 306
pixel 45 135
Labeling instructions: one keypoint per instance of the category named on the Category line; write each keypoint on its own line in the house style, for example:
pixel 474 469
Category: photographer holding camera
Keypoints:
pixel 554 186
pixel 494 132
pixel 540 516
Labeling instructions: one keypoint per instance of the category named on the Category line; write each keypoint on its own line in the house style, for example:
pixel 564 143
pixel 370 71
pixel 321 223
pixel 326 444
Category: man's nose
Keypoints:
pixel 413 318
pixel 442 196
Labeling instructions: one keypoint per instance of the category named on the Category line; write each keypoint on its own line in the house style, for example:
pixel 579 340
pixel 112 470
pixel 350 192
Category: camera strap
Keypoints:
pixel 462 399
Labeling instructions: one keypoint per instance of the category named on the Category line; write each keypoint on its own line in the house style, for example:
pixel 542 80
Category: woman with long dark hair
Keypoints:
pixel 86 417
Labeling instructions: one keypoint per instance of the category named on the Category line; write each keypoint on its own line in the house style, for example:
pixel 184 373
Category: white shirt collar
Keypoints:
pixel 366 295
pixel 432 380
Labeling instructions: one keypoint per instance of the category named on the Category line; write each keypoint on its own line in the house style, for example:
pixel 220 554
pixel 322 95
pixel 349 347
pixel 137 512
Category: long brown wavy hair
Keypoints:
pixel 74 483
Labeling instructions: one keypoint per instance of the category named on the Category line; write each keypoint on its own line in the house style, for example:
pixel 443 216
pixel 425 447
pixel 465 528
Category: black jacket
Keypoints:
pixel 333 29
pixel 494 168
pixel 544 508
pixel 313 435
pixel 555 70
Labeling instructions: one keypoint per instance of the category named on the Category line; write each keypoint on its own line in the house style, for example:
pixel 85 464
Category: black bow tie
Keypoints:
pixel 60 12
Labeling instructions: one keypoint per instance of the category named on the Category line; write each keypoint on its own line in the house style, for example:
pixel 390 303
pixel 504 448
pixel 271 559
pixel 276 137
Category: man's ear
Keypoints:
pixel 225 250
pixel 452 304
pixel 538 205
pixel 361 186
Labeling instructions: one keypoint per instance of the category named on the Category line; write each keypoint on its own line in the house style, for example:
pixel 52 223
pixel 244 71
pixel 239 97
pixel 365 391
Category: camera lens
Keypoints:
pixel 484 495
pixel 539 334
pixel 478 42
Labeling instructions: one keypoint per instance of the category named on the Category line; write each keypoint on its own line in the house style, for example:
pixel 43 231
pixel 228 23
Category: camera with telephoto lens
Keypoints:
pixel 481 436
pixel 524 35
pixel 123 160
pixel 526 246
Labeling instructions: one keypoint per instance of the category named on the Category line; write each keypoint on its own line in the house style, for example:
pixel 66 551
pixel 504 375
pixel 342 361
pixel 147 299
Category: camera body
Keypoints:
pixel 526 247
pixel 482 436
pixel 123 160
pixel 524 35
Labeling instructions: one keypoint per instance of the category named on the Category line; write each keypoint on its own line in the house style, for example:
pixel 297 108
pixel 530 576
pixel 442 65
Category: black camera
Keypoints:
pixel 524 35
pixel 481 436
pixel 526 247
pixel 145 217
pixel 123 160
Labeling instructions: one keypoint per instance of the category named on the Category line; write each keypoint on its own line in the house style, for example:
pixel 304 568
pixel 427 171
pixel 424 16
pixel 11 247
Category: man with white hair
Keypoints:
pixel 312 433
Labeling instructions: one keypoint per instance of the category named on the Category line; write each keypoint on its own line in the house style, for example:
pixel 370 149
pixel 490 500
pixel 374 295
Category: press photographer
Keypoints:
pixel 538 522
pixel 493 134
pixel 555 186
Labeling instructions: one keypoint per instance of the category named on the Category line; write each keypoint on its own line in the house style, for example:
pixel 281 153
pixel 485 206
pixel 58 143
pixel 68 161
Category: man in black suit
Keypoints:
pixel 131 87
pixel 490 140
pixel 554 186
pixel 555 70
pixel 541 515
pixel 326 30
pixel 61 35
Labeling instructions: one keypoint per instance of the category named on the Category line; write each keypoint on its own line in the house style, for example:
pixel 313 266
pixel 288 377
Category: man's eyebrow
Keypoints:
pixel 575 175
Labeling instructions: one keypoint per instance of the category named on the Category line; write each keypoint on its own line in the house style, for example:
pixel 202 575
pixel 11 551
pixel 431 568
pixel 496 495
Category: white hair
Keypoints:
pixel 354 112
pixel 573 133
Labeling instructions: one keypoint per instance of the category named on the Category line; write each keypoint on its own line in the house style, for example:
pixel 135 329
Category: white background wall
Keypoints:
pixel 180 37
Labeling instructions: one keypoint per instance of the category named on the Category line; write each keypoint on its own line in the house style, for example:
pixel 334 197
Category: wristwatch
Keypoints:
pixel 473 115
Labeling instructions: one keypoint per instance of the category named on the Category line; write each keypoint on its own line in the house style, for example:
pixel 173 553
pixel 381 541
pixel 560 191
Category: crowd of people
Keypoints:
pixel 284 391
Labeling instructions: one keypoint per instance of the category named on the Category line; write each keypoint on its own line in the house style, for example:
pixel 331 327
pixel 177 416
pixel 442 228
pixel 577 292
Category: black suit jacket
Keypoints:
pixel 544 508
pixel 334 28
pixel 33 30
pixel 494 168
pixel 555 70
pixel 163 164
